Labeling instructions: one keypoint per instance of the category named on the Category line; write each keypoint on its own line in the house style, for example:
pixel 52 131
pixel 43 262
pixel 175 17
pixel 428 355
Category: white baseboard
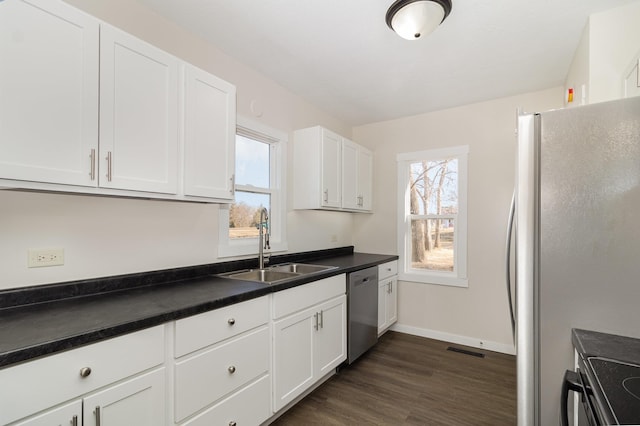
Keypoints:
pixel 454 338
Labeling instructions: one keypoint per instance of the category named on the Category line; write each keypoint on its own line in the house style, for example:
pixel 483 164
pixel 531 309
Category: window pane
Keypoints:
pixel 434 187
pixel 432 244
pixel 252 162
pixel 244 214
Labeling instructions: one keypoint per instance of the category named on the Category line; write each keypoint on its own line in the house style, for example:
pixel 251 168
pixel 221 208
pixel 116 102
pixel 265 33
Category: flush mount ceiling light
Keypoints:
pixel 413 19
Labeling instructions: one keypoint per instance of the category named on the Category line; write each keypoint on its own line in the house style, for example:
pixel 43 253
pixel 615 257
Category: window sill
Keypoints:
pixel 433 278
pixel 246 249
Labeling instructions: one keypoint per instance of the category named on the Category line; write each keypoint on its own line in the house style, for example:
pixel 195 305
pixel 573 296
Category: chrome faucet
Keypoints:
pixel 263 241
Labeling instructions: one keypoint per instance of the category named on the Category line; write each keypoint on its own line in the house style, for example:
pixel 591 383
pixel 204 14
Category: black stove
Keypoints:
pixel 619 383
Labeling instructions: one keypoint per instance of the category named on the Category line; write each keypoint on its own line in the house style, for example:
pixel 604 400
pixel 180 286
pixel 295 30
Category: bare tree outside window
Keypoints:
pixel 433 197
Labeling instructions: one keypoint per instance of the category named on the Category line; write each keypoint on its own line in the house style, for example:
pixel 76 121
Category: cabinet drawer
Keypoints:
pixel 387 270
pixel 204 378
pixel 249 406
pixel 33 386
pixel 298 298
pixel 202 330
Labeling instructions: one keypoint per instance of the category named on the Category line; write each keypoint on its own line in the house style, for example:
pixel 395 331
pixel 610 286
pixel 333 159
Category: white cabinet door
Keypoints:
pixel 365 179
pixel 138 401
pixel 383 290
pixel 330 344
pixel 48 92
pixel 392 302
pixel 387 303
pixel 67 415
pixel 209 135
pixel 293 356
pixel 357 176
pixel 632 80
pixel 138 114
pixel 350 195
pixel 331 169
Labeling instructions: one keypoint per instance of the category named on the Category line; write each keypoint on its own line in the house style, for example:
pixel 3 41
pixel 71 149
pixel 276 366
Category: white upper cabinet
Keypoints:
pixel 330 172
pixel 357 173
pixel 209 135
pixel 88 108
pixel 331 147
pixel 48 92
pixel 138 114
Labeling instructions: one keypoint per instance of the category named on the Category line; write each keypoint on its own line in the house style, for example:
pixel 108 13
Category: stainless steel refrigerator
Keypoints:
pixel 577 243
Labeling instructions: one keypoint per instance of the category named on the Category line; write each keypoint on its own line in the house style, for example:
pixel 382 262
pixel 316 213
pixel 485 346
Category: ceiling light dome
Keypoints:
pixel 412 19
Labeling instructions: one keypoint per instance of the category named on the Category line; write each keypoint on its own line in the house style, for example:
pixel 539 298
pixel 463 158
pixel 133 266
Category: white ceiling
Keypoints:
pixel 341 56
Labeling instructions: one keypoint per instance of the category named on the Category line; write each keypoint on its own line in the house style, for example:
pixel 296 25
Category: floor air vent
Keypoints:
pixel 466 352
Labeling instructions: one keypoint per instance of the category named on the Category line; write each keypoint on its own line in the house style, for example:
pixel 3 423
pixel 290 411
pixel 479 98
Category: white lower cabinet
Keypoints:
pixel 387 303
pixel 387 295
pixel 249 406
pixel 222 366
pixel 67 415
pixel 99 377
pixel 311 342
pixel 138 401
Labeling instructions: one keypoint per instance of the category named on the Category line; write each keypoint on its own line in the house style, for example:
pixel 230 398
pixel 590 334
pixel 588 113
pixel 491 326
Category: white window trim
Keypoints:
pixel 457 278
pixel 278 226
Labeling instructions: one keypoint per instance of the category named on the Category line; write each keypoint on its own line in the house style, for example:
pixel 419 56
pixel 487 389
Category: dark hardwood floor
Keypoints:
pixel 410 380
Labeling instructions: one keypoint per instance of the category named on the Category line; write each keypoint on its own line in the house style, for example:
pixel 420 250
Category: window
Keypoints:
pixel 432 212
pixel 259 175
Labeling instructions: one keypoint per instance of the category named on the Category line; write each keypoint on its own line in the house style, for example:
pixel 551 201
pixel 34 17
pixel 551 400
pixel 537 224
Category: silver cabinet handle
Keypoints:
pixel 74 421
pixel 233 183
pixel 85 372
pixel 391 287
pixel 109 164
pixel 321 319
pixel 231 321
pixel 97 413
pixel 326 195
pixel 231 369
pixel 92 158
pixel 315 325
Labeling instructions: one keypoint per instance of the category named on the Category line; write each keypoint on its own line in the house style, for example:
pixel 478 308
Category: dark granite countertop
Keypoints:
pixel 47 319
pixel 592 343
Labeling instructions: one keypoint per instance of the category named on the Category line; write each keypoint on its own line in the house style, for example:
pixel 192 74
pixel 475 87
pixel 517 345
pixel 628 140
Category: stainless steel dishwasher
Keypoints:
pixel 362 312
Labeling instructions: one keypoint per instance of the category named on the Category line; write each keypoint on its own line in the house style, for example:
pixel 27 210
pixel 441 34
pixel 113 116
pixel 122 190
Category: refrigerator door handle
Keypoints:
pixel 510 225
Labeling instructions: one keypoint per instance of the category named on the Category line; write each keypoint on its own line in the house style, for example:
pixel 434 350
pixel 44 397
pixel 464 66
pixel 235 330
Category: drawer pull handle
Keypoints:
pixel 85 372
pixel 231 321
pixel 74 421
pixel 98 417
pixel 232 423
pixel 232 369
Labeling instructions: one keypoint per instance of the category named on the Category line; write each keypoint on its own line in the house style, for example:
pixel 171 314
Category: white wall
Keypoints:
pixel 109 236
pixel 478 313
pixel 578 75
pixel 610 41
pixel 614 41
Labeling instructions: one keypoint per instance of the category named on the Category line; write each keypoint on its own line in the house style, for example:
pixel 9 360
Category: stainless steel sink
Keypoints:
pixel 277 273
pixel 261 275
pixel 300 268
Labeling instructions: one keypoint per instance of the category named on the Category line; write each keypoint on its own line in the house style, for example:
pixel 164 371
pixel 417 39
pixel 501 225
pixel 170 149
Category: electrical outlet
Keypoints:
pixel 37 258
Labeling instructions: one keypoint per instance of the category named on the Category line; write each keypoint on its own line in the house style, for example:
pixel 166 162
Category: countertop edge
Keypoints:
pixel 93 335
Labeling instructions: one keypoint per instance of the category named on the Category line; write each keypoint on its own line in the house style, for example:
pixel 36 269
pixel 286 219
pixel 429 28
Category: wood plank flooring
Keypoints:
pixel 410 380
